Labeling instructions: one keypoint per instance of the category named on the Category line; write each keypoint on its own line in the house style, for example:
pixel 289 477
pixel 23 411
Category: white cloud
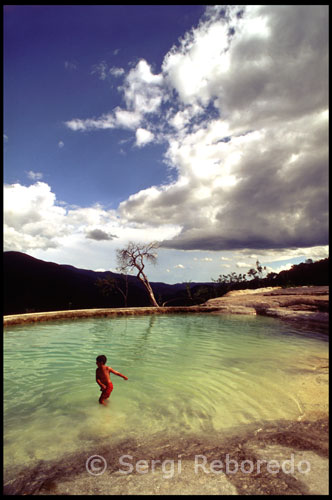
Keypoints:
pixel 35 176
pixel 283 267
pixel 101 69
pixel 71 65
pixel 61 144
pixel 142 89
pixel 202 55
pixel 33 220
pixel 143 94
pixel 243 264
pixel 238 93
pixel 182 118
pixel 127 119
pixel 233 62
pixel 106 121
pixel 37 224
pixel 251 173
pixel 315 253
pixel 119 118
pixel 114 71
pixel 203 259
pixel 143 137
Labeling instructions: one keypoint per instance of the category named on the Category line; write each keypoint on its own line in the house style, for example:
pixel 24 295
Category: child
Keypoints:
pixel 103 378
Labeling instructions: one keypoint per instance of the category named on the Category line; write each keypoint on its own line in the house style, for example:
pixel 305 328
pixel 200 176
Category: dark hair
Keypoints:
pixel 101 359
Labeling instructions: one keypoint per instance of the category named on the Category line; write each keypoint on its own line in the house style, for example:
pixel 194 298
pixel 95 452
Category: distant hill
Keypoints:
pixel 33 285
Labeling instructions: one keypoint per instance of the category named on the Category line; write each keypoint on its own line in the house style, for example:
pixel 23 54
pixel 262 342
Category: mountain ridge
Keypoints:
pixel 35 285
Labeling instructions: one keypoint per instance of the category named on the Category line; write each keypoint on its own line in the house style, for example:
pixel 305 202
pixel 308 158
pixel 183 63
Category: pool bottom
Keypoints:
pixel 180 379
pixel 120 469
pixel 106 427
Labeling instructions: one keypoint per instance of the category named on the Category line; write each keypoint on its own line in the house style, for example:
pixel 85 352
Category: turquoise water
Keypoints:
pixel 196 373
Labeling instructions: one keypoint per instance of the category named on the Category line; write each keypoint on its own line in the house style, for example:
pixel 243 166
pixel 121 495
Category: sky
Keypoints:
pixel 204 128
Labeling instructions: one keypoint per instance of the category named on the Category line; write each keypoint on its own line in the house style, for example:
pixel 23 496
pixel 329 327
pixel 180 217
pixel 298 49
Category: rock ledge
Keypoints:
pixel 295 304
pixel 308 304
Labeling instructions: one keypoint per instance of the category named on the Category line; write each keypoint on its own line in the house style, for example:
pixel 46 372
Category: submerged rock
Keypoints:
pixel 273 458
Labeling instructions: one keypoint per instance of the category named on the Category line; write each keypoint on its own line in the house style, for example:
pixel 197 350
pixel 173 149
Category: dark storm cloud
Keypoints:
pixel 99 235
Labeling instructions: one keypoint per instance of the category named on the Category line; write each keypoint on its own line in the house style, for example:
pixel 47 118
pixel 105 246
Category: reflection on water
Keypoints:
pixel 187 374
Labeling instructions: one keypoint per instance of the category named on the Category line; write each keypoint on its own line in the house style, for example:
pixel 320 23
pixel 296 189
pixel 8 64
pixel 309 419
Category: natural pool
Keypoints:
pixel 188 374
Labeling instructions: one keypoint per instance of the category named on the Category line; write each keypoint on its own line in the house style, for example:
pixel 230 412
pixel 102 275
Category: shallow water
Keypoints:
pixel 193 374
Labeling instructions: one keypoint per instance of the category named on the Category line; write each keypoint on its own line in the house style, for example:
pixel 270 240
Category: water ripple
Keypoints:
pixel 194 373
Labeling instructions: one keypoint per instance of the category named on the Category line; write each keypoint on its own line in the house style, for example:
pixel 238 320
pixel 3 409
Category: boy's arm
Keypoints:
pixel 102 386
pixel 99 382
pixel 117 373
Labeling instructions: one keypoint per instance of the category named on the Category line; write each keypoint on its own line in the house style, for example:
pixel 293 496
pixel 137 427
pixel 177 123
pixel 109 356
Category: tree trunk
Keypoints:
pixel 147 285
pixel 152 297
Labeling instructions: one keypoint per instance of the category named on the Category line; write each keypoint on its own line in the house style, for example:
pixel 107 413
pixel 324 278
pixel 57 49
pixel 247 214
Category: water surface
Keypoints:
pixel 196 373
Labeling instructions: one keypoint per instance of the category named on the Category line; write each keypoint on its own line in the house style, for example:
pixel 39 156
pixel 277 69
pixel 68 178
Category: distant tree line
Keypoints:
pixel 307 273
pixel 304 274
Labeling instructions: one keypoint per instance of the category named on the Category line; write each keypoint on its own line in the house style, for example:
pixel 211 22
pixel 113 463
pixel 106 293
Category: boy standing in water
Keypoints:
pixel 103 378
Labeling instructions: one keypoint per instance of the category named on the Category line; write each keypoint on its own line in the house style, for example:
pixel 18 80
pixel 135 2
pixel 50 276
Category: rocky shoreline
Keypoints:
pixel 292 459
pixel 304 440
pixel 302 304
pixel 16 319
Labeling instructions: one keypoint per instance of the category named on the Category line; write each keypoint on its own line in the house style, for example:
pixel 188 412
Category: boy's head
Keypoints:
pixel 101 359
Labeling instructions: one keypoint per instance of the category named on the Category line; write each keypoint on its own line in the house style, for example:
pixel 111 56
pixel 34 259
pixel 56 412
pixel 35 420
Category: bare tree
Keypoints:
pixel 132 258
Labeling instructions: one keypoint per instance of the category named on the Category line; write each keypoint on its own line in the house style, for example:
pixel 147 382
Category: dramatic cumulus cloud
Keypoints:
pixel 31 218
pixel 252 173
pixel 241 104
pixel 35 220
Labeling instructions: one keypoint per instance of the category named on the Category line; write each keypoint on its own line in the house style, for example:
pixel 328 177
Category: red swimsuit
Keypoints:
pixel 107 392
